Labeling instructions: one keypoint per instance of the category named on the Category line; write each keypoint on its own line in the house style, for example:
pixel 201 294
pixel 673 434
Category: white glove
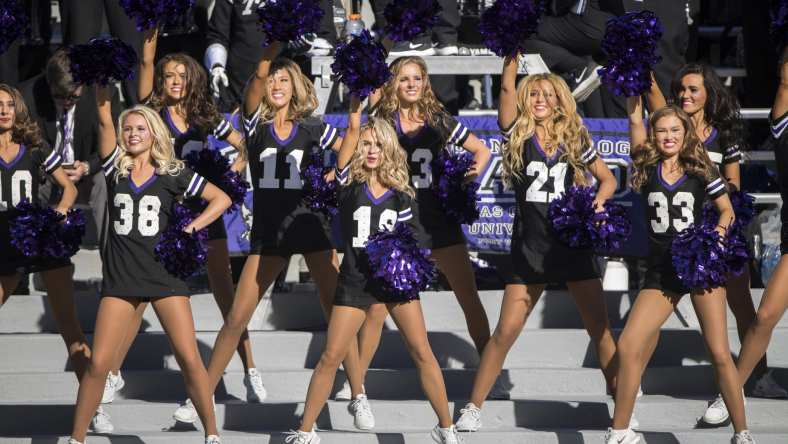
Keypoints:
pixel 218 78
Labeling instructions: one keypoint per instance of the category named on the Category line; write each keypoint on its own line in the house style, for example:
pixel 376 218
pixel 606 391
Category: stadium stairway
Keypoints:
pixel 557 392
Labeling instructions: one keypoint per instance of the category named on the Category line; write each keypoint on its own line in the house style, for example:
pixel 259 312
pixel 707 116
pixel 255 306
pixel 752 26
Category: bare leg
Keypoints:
pixel 342 327
pixel 650 311
pixel 454 263
pixel 369 337
pixel 711 310
pixel 175 314
pixel 128 339
pixel 221 280
pixel 740 302
pixel 410 321
pixel 518 301
pixel 7 286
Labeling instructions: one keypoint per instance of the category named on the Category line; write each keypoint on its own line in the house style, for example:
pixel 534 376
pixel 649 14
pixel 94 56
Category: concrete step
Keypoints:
pixel 553 348
pixel 166 385
pixel 515 436
pixel 549 413
pixel 300 310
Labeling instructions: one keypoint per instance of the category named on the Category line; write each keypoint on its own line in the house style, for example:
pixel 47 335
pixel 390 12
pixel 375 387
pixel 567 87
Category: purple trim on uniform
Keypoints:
pixel 171 124
pixel 398 126
pixel 711 137
pixel 675 184
pixel 293 132
pixel 16 159
pixel 541 151
pixel 139 189
pixel 376 201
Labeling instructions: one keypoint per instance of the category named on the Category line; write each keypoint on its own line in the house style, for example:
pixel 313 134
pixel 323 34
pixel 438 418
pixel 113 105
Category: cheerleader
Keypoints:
pixel 177 87
pixel 715 113
pixel 144 180
pixel 374 195
pixel 547 150
pixel 281 136
pixel 675 177
pixel 24 156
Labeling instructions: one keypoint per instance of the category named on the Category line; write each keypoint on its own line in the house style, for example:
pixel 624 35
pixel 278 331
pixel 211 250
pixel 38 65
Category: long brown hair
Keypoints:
pixel 25 130
pixel 198 105
pixel 692 157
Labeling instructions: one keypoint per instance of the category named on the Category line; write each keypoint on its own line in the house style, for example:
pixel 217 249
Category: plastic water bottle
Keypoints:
pixel 339 17
pixel 353 26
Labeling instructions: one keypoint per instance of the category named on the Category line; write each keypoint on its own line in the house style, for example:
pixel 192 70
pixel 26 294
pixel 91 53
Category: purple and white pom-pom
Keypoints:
pixel 318 194
pixel 399 264
pixel 507 23
pixel 182 254
pixel 42 232
pixel 612 227
pixel 287 20
pixel 102 61
pixel 699 257
pixel 406 19
pixel 148 14
pixel 14 22
pixel 779 23
pixel 217 170
pixel 456 195
pixel 573 216
pixel 361 64
pixel 630 44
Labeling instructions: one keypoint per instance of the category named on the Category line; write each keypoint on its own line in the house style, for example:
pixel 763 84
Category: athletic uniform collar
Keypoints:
pixel 19 154
pixel 667 185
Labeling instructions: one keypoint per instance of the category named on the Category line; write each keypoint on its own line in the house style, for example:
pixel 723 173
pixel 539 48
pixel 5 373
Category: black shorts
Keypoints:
pixel 784 238
pixel 516 270
pixel 362 295
pixel 24 266
pixel 660 275
pixel 438 235
pixel 303 231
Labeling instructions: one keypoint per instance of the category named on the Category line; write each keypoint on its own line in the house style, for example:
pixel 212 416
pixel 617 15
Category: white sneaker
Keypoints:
pixel 446 436
pixel 74 441
pixel 363 418
pixel 187 413
pixel 212 439
pixel 621 437
pixel 112 385
pixel 589 82
pixel 101 422
pixel 344 394
pixel 253 381
pixel 767 387
pixel 499 391
pixel 299 437
pixel 743 437
pixel 446 50
pixel 716 413
pixel 470 418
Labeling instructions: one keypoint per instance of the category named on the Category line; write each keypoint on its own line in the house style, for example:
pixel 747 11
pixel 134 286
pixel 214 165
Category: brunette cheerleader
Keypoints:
pixel 546 151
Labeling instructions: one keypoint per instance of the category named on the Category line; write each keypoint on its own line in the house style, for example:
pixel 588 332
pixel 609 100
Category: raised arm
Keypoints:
pixel 107 139
pixel 507 101
pixel 350 141
pixel 255 89
pixel 781 100
pixel 218 202
pixel 654 98
pixel 374 97
pixel 147 64
pixel 637 130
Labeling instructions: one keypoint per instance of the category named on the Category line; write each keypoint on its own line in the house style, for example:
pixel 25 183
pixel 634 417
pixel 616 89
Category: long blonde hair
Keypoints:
pixel 392 172
pixel 692 158
pixel 564 129
pixel 428 106
pixel 162 153
pixel 304 100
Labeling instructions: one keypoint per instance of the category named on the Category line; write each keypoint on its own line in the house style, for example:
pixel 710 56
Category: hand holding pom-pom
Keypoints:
pixel 148 14
pixel 13 22
pixel 318 194
pixel 406 19
pixel 361 64
pixel 182 254
pixel 630 43
pixel 574 217
pixel 699 257
pixel 42 232
pixel 399 264
pixel 506 24
pixel 613 227
pixel 102 61
pixel 217 170
pixel 456 194
pixel 287 20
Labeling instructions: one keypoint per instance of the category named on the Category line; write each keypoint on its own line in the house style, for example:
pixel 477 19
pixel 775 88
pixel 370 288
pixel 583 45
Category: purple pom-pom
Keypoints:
pixel 779 24
pixel 361 64
pixel 215 168
pixel 630 43
pixel 506 24
pixel 699 257
pixel 102 61
pixel 612 227
pixel 287 20
pixel 318 194
pixel 42 232
pixel 13 22
pixel 574 217
pixel 182 254
pixel 737 255
pixel 743 207
pixel 399 264
pixel 405 19
pixel 148 14
pixel 457 196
